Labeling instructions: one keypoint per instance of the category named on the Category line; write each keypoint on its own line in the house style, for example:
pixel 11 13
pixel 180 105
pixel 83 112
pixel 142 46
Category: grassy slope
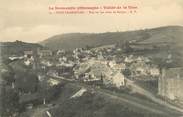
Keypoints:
pixel 69 41
pixel 91 105
pixel 16 48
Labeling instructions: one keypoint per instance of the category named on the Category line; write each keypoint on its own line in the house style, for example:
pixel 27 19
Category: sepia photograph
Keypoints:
pixel 91 58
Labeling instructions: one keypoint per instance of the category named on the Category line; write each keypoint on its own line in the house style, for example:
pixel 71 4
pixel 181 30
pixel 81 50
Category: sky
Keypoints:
pixel 30 21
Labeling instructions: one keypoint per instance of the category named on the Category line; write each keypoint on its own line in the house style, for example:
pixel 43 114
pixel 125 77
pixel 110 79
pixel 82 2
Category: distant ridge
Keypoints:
pixel 16 48
pixel 76 40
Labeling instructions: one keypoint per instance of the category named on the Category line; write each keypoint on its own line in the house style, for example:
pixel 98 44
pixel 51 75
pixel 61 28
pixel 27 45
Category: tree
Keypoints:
pixel 126 72
pixel 8 96
pixel 9 100
pixel 7 74
pixel 26 82
pixel 126 47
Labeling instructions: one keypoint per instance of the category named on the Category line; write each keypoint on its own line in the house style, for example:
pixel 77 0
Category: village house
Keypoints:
pixel 154 71
pixel 63 59
pixel 141 68
pixel 95 70
pixel 44 53
pixel 28 54
pixel 29 61
pixel 37 52
pixel 60 52
pixel 116 79
pixel 46 63
pixel 128 59
pixel 111 64
pixel 65 69
pixel 116 66
pixel 119 66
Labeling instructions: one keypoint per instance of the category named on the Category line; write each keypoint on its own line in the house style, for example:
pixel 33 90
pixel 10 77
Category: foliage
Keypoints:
pixel 6 74
pixel 9 99
pixel 126 72
pixel 16 48
pixel 26 82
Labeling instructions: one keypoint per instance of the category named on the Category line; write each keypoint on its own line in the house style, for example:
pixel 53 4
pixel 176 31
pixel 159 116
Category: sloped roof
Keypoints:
pixel 98 69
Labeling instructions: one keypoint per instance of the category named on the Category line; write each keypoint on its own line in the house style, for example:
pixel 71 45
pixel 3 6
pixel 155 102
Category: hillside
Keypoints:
pixel 170 34
pixel 98 103
pixel 16 48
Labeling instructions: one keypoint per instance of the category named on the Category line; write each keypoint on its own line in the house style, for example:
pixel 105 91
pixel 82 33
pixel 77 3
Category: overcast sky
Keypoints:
pixel 29 20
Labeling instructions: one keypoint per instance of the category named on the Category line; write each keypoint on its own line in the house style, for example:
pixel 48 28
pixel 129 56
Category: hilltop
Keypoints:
pixel 16 48
pixel 170 34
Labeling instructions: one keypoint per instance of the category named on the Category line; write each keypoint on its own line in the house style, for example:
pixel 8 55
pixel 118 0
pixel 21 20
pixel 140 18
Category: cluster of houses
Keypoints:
pixel 100 71
pixel 142 67
pixel 105 66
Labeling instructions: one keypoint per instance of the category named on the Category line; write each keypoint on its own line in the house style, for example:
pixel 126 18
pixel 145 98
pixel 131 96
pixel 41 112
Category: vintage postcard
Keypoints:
pixel 91 58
